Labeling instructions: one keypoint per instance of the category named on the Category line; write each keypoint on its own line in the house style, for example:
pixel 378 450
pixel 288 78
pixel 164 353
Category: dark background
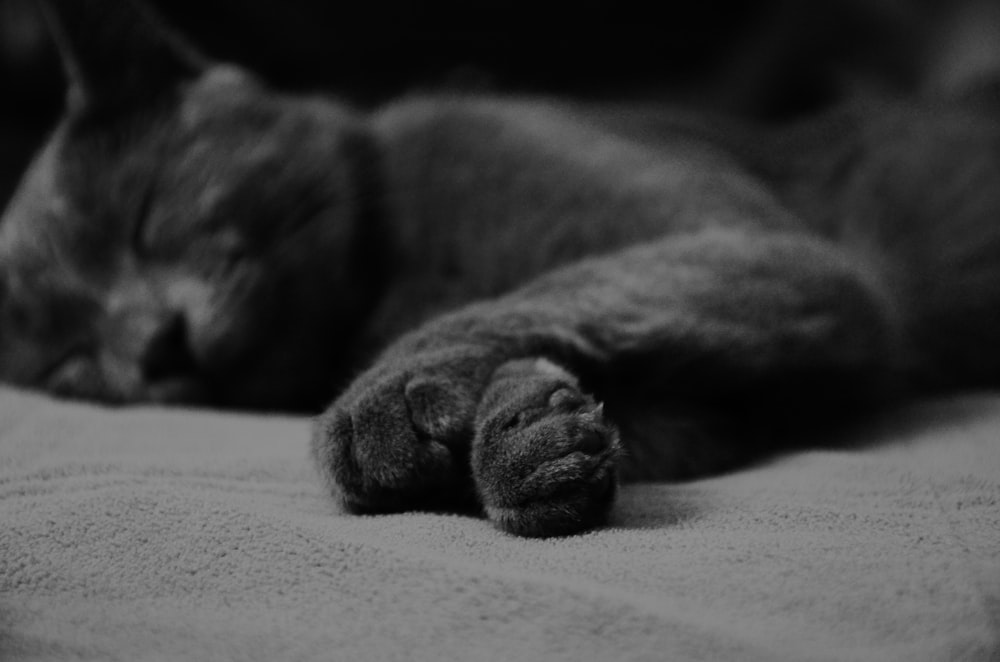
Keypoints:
pixel 765 59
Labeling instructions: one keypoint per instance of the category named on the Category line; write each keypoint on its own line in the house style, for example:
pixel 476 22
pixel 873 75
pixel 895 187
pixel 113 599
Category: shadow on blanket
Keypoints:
pixel 154 534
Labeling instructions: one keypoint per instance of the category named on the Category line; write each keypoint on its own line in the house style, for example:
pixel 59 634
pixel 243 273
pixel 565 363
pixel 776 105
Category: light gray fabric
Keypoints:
pixel 182 535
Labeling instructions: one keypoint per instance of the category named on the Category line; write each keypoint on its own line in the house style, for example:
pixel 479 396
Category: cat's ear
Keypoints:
pixel 117 52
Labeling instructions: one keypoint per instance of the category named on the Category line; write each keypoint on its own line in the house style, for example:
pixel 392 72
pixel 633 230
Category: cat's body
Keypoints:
pixel 472 276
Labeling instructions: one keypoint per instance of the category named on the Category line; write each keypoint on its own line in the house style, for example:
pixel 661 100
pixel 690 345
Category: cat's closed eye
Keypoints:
pixel 139 241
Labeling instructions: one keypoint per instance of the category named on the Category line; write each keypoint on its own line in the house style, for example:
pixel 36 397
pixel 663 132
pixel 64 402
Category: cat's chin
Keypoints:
pixel 83 378
pixel 179 391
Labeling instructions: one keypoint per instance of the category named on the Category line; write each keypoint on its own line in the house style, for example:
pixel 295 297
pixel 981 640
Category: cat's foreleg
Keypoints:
pixel 461 409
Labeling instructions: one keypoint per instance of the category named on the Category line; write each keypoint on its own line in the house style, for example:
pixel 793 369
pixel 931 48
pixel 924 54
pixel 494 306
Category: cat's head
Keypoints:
pixel 185 234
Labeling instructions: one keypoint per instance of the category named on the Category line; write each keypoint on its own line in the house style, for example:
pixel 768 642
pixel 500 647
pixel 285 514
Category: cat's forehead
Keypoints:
pixel 215 128
pixel 222 150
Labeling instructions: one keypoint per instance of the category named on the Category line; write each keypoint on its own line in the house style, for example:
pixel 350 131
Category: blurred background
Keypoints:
pixel 763 59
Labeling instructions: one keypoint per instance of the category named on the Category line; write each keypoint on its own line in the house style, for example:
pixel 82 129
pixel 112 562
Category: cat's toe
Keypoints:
pixel 398 447
pixel 545 458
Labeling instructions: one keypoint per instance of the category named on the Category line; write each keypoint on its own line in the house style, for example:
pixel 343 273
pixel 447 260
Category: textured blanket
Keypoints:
pixel 182 535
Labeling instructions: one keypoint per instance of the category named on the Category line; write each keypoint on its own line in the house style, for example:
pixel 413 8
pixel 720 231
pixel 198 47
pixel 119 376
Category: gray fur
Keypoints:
pixel 468 278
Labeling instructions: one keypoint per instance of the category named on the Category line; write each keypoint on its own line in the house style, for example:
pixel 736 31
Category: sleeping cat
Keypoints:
pixel 512 303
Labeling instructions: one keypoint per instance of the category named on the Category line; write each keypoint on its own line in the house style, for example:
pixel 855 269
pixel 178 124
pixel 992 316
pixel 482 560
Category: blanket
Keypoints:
pixel 158 534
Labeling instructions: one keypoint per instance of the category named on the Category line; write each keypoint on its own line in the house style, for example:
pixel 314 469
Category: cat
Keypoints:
pixel 512 303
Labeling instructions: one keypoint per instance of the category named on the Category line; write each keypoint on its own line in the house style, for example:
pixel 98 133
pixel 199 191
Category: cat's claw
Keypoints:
pixel 544 457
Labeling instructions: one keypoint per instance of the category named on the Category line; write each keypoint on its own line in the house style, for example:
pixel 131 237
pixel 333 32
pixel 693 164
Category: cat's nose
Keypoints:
pixel 167 352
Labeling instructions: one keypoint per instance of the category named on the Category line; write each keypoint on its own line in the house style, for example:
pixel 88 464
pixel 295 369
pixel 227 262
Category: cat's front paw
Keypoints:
pixel 544 456
pixel 398 438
